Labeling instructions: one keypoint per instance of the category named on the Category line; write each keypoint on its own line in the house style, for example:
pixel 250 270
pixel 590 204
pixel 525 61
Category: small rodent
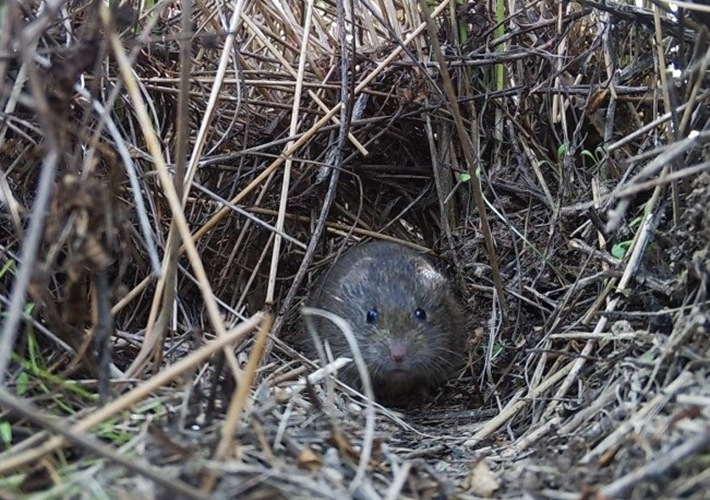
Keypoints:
pixel 403 313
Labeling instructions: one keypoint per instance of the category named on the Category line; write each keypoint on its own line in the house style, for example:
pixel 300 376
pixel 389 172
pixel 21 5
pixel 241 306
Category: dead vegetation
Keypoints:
pixel 166 201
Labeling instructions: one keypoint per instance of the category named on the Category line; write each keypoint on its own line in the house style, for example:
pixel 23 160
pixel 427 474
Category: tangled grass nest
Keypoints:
pixel 167 201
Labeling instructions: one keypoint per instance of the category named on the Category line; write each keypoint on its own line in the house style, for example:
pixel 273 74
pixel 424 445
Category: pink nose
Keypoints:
pixel 398 351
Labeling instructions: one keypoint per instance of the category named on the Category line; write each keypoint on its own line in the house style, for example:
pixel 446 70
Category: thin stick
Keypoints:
pixel 216 218
pixel 168 187
pixel 654 405
pixel 214 96
pixel 183 132
pixel 238 402
pixel 133 397
pixel 468 154
pixel 298 76
pixel 369 435
pixel 39 212
pixel 137 466
pixel 512 409
pixel 293 129
pixel 656 468
pixel 650 126
pixel 395 489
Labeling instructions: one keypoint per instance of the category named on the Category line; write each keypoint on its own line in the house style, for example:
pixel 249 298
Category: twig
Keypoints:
pixel 368 438
pixel 183 132
pixel 654 405
pixel 656 467
pixel 137 466
pixel 238 402
pixel 395 489
pixel 286 181
pixel 468 153
pixel 515 405
pixel 651 125
pixel 129 399
pixel 217 217
pixel 33 238
pixel 662 180
pixel 169 190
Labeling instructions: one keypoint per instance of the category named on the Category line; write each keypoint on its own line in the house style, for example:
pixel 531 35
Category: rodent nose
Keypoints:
pixel 398 351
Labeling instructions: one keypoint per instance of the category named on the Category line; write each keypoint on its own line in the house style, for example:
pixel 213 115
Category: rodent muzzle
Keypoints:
pixel 398 351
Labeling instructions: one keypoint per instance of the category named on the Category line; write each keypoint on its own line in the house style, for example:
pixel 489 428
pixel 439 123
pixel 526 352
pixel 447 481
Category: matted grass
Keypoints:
pixel 164 214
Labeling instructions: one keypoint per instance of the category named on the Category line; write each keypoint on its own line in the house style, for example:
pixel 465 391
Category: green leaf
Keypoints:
pixel 5 432
pixel 34 352
pixel 586 152
pixel 561 150
pixel 648 357
pixel 10 264
pixel 23 382
pixel 619 249
pixel 635 222
pixel 462 24
pixel 41 376
pixel 464 177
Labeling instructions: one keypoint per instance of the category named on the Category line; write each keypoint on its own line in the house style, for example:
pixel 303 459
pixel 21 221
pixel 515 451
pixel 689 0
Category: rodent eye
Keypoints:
pixel 420 313
pixel 372 315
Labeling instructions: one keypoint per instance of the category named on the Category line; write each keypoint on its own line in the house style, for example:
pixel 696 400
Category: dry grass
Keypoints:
pixel 166 202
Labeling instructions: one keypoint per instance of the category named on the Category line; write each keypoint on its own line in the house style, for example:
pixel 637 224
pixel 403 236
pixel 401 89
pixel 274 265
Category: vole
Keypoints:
pixel 409 326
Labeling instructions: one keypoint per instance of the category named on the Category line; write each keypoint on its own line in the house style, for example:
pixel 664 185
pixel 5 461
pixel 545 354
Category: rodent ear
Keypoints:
pixel 428 272
pixel 357 270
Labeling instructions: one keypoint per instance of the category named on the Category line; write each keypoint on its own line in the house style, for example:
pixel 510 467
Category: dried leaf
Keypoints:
pixel 309 460
pixel 482 481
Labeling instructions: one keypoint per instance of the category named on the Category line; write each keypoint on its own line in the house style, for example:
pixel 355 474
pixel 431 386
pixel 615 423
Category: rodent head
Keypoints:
pixel 402 314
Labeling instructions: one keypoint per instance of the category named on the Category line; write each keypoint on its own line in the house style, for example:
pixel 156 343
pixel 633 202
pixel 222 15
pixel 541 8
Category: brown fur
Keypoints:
pixel 396 281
